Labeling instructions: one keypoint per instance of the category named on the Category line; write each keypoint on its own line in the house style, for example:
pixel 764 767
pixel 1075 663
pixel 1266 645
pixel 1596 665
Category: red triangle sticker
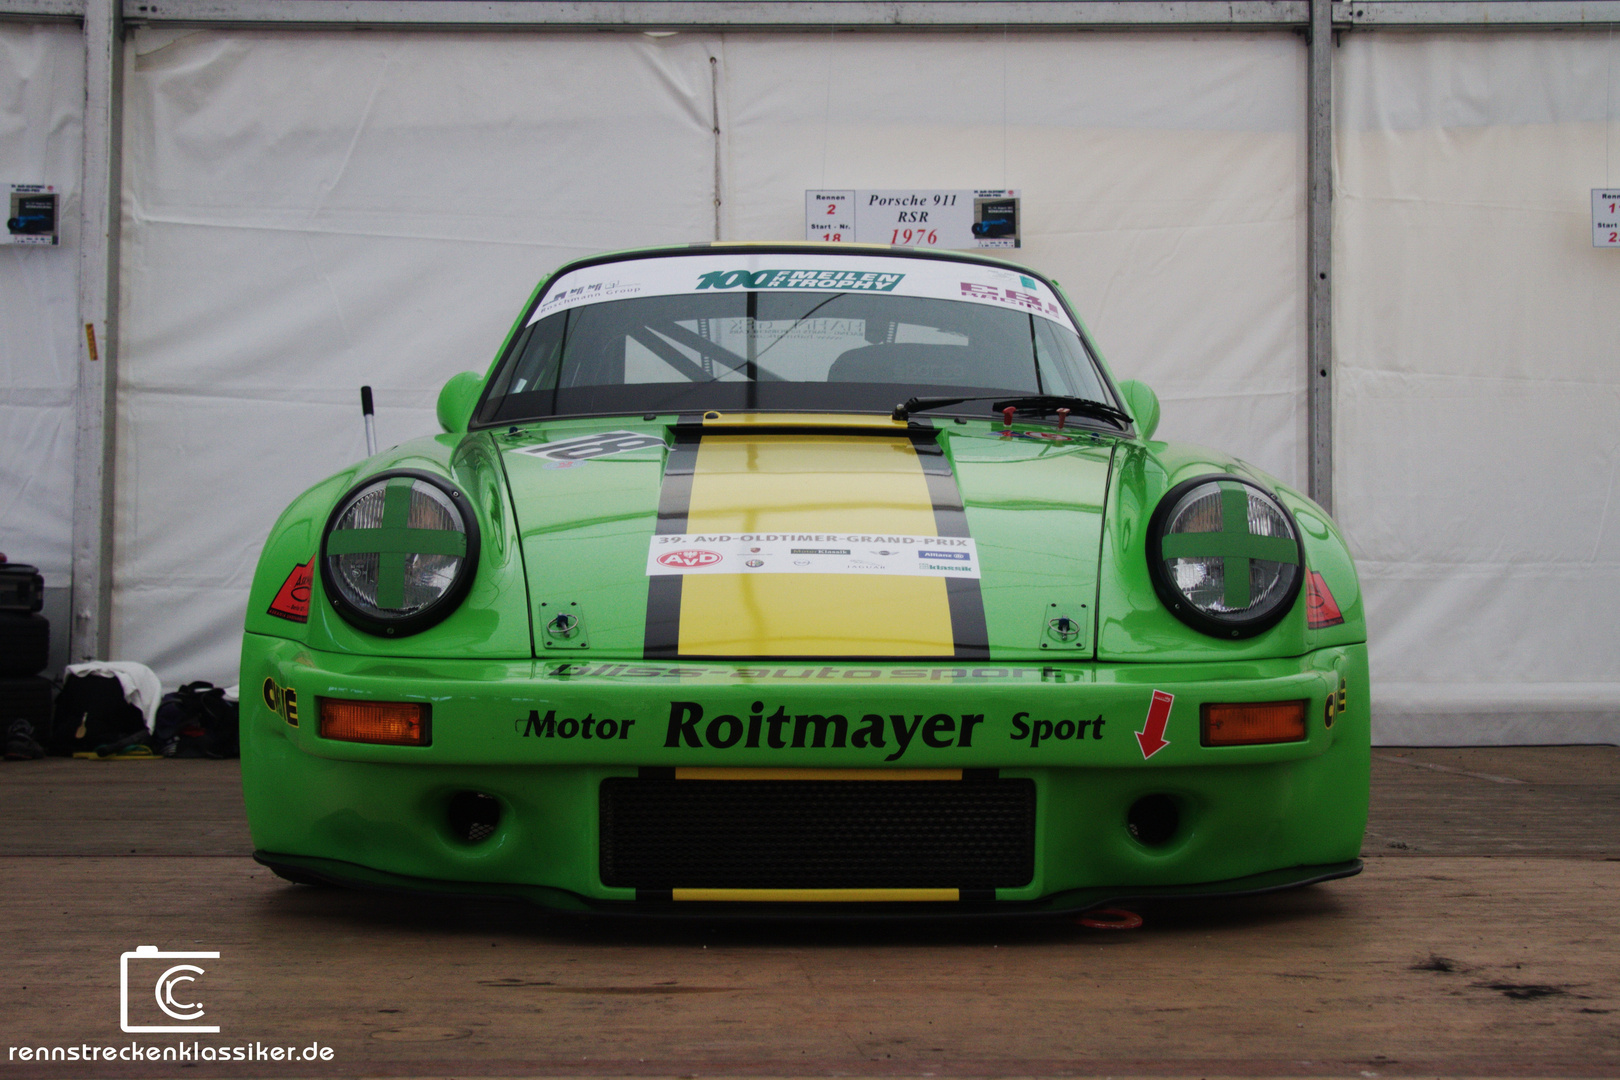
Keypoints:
pixel 1321 610
pixel 292 601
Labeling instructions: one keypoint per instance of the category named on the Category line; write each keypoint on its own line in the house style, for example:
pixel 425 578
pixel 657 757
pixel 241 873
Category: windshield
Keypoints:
pixel 753 337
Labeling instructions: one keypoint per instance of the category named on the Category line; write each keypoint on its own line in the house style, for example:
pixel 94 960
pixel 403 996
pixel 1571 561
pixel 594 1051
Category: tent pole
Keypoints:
pixel 1319 254
pixel 99 220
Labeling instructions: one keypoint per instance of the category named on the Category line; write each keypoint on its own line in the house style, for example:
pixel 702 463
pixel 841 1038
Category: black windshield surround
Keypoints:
pixel 766 350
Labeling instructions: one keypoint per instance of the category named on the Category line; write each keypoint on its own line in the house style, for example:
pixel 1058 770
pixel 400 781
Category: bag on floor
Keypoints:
pixel 91 712
pixel 197 721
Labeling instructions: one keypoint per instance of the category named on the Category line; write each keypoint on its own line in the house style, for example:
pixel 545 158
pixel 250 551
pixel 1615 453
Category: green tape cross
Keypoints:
pixel 393 540
pixel 1234 545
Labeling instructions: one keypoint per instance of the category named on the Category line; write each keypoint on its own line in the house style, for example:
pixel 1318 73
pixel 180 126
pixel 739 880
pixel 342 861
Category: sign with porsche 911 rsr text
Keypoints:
pixel 925 218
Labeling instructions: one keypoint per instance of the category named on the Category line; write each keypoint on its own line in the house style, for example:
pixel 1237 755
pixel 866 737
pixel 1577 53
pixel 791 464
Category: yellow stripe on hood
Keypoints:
pixel 811 483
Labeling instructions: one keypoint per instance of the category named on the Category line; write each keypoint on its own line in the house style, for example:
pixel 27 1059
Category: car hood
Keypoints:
pixel 803 537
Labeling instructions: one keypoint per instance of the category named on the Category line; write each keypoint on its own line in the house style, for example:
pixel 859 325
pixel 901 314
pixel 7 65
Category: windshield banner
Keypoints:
pixel 934 279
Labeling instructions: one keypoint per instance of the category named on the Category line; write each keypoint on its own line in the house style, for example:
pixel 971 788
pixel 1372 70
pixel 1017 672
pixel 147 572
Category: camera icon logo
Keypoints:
pixel 173 989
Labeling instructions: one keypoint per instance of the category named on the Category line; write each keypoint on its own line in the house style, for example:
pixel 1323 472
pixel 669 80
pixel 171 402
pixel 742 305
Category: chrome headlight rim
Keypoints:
pixel 1177 602
pixel 433 613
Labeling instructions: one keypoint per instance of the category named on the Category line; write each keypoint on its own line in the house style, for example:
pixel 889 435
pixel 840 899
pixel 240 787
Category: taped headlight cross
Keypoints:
pixel 399 552
pixel 1225 556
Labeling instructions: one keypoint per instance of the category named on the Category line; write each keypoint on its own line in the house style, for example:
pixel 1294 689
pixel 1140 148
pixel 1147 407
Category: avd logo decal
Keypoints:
pixel 689 557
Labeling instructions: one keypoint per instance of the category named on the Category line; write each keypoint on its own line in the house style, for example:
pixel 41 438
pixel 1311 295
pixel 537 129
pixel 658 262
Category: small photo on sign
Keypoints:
pixel 32 219
pixel 996 219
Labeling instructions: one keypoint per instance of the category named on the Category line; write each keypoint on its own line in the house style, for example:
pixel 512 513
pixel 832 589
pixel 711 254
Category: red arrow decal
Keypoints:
pixel 1151 737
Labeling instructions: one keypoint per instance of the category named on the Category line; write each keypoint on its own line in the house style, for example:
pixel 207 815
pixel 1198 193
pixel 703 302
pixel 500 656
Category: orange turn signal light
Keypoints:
pixel 1254 722
pixel 391 723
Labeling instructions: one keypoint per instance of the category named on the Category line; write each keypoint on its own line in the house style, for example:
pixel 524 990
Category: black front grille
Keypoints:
pixel 817 834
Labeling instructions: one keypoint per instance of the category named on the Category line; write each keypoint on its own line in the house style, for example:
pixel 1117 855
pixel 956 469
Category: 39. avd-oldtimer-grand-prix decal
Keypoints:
pixel 813 553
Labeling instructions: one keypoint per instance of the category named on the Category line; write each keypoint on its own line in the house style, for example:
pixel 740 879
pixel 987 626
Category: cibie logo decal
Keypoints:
pixel 157 976
pixel 689 557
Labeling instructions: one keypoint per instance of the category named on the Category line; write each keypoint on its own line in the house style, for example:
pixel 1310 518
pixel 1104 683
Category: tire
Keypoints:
pixel 26 699
pixel 25 644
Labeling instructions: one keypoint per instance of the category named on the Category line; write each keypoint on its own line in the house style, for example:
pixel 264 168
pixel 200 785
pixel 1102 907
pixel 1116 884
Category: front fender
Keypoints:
pixel 1132 624
pixel 493 620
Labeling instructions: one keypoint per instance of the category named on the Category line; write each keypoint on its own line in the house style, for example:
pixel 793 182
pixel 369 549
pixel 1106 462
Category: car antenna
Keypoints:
pixel 371 423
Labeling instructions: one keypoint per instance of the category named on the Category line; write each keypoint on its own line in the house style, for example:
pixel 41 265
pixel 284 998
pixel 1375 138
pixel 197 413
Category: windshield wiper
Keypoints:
pixel 1034 403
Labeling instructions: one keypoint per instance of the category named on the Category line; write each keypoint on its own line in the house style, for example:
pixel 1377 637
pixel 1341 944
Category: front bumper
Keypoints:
pixel 1250 818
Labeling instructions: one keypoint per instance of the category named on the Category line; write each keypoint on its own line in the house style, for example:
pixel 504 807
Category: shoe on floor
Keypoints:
pixel 21 744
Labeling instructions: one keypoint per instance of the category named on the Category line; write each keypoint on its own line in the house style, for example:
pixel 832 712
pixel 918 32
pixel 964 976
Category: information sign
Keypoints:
pixel 1606 217
pixel 914 218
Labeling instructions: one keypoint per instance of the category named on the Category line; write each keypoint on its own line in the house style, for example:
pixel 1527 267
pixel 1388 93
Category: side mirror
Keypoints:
pixel 457 399
pixel 1143 405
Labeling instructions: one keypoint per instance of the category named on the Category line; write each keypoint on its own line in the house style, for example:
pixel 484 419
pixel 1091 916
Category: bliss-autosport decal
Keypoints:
pixel 883 489
pixel 935 279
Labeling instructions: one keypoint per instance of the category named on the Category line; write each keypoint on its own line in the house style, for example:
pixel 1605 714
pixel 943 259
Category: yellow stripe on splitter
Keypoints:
pixel 683 772
pixel 818 896
pixel 811 484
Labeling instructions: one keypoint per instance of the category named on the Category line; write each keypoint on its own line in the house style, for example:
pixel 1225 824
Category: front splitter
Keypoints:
pixel 308 870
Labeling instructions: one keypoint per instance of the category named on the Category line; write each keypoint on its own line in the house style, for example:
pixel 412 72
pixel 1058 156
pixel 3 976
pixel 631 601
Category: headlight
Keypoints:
pixel 399 552
pixel 1225 556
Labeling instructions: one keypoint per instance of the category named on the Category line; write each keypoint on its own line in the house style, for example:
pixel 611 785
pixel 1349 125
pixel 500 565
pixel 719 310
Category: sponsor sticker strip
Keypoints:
pixel 813 553
pixel 678 275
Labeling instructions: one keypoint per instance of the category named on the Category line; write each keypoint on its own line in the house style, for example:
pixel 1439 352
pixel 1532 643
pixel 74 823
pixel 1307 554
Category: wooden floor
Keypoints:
pixel 1483 940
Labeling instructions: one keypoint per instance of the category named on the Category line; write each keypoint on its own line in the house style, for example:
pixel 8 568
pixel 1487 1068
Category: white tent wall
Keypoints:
pixel 305 213
pixel 1162 177
pixel 312 210
pixel 41 141
pixel 1477 334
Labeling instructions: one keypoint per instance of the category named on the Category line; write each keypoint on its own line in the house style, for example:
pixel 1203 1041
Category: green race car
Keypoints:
pixel 768 579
